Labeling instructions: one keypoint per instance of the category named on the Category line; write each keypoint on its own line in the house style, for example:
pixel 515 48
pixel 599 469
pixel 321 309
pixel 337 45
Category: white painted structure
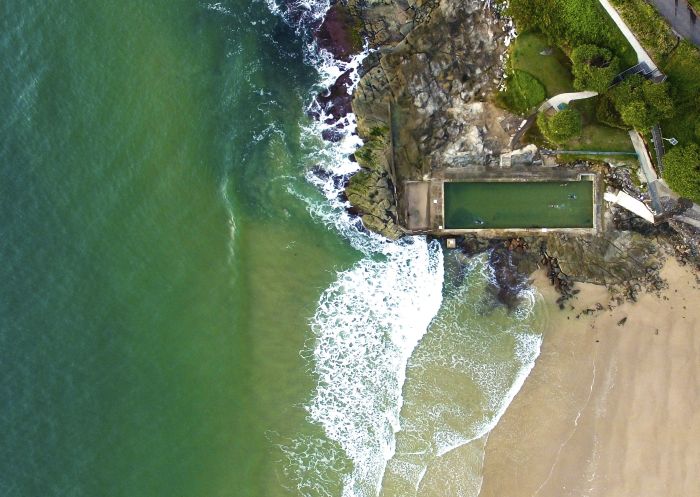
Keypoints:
pixel 565 98
pixel 631 204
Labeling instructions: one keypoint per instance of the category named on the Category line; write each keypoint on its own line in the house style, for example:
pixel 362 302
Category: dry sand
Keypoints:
pixel 608 410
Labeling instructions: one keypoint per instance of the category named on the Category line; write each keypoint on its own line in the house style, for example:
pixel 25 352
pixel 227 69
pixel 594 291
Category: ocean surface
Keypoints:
pixel 185 307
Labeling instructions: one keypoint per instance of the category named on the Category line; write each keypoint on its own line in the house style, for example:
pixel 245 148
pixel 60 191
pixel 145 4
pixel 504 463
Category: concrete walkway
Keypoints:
pixel 683 20
pixel 647 168
pixel 642 55
pixel 565 98
pixel 644 158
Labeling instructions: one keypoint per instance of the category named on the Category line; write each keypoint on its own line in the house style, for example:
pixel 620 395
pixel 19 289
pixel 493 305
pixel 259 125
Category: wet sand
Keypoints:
pixel 611 408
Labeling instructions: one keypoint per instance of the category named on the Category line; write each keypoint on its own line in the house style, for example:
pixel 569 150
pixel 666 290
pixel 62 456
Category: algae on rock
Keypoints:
pixel 371 190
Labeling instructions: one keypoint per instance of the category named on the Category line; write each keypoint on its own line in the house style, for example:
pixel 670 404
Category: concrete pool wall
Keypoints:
pixel 424 211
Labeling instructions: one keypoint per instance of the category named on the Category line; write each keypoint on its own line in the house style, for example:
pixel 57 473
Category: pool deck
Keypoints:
pixel 423 212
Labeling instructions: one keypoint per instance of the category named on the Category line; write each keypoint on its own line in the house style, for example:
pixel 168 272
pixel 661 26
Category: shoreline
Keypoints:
pixel 612 406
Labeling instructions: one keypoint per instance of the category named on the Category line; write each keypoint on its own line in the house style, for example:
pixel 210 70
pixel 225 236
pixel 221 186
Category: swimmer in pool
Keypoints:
pixel 572 196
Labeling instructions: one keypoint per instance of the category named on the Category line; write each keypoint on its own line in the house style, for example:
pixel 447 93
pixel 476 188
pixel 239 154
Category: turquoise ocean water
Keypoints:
pixel 183 312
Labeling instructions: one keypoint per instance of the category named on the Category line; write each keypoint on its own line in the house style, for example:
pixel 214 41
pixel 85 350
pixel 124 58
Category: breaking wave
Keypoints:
pixel 370 320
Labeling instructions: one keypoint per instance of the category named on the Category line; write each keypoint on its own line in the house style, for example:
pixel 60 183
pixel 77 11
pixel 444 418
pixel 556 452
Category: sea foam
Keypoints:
pixel 370 320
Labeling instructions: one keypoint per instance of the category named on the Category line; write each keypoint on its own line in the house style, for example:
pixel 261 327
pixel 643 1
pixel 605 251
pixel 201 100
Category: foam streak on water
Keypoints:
pixel 368 323
pixel 365 327
pixel 462 377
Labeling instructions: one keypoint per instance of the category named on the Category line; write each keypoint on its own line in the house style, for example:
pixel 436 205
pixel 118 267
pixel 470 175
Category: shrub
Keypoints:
pixel 594 68
pixel 523 91
pixel 560 127
pixel 683 69
pixel 682 171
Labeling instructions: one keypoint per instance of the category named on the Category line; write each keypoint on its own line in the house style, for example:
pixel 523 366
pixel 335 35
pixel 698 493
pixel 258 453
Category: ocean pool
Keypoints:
pixel 518 205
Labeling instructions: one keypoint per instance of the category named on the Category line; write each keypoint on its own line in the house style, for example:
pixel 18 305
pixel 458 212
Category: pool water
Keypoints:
pixel 532 204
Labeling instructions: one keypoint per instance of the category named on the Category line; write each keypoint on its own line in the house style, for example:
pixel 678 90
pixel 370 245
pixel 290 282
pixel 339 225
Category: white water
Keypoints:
pixel 366 327
pixel 461 378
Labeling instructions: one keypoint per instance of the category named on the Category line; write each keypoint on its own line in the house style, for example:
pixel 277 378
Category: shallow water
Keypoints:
pixel 182 312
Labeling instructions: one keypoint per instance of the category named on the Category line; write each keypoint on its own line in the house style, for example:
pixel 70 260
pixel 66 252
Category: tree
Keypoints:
pixel 627 91
pixel 642 103
pixel 657 98
pixel 682 170
pixel 561 127
pixel 635 114
pixel 593 67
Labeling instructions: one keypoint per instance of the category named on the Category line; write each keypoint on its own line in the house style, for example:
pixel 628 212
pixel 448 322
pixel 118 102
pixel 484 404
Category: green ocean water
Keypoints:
pixel 146 347
pixel 174 294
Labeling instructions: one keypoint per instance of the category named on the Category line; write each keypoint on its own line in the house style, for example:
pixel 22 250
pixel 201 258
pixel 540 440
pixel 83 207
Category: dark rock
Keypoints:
pixel 332 135
pixel 340 33
pixel 335 102
pixel 510 282
pixel 472 245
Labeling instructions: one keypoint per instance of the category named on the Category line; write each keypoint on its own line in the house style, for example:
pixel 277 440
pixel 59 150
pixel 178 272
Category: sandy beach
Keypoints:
pixel 612 407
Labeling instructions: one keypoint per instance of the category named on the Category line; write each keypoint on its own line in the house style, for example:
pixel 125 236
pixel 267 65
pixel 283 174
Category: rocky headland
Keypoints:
pixel 425 102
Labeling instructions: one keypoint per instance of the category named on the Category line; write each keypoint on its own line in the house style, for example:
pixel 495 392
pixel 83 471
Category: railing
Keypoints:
pixel 641 68
pixel 658 147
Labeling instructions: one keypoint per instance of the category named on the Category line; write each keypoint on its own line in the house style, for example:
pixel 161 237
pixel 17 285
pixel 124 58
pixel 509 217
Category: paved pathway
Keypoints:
pixel 642 55
pixel 647 169
pixel 683 20
pixel 565 98
pixel 643 154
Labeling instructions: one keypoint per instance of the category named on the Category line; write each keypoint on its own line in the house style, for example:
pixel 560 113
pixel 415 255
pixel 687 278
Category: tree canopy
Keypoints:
pixel 593 67
pixel 642 103
pixel 682 170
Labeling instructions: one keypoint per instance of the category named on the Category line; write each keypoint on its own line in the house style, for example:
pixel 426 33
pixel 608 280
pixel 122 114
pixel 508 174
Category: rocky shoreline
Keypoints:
pixel 424 102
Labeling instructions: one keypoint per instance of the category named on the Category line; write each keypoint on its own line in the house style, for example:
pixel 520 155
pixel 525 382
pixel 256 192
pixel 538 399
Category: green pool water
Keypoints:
pixel 535 204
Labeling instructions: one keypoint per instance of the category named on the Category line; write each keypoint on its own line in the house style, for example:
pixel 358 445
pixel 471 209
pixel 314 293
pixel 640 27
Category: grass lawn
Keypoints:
pixel 553 71
pixel 629 161
pixel 594 135
pixel 601 138
pixel 597 136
